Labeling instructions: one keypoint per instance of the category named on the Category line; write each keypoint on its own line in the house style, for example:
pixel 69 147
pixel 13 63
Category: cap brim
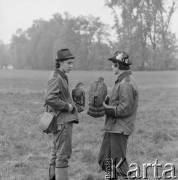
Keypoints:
pixel 70 57
pixel 112 59
pixel 67 58
pixel 116 61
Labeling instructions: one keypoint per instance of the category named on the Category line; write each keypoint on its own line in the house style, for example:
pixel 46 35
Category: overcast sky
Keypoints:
pixel 16 14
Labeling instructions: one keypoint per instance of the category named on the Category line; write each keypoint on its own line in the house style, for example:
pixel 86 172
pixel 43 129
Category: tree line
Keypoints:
pixel 141 28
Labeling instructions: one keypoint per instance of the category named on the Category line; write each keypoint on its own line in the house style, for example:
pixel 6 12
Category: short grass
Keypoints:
pixel 24 151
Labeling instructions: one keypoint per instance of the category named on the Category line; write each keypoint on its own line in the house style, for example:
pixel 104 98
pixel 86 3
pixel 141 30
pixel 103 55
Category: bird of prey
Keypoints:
pixel 97 94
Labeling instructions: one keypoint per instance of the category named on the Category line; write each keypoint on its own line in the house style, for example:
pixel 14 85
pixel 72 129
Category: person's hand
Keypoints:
pixel 71 108
pixel 109 110
pixel 107 100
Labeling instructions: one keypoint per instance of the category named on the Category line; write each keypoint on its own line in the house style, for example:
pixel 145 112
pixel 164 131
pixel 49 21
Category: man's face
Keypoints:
pixel 67 65
pixel 115 68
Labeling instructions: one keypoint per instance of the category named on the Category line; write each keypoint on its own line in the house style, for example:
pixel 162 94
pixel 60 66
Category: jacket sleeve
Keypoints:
pixel 125 104
pixel 52 95
pixel 73 95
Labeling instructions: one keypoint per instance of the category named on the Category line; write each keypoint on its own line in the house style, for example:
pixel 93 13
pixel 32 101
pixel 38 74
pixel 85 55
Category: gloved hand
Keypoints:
pixel 107 100
pixel 109 110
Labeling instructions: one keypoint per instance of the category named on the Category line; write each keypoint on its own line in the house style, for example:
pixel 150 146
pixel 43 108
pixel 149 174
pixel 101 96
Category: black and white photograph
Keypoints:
pixel 88 89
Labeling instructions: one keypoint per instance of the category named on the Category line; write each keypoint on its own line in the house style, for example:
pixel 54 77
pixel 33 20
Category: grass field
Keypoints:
pixel 24 152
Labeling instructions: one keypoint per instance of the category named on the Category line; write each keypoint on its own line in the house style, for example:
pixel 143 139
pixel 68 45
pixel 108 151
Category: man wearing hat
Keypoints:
pixel 59 102
pixel 120 109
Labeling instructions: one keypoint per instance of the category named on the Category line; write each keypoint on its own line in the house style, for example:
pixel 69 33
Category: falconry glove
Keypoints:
pixel 107 100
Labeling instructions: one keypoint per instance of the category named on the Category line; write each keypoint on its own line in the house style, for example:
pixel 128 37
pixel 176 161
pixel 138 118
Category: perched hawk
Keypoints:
pixel 78 96
pixel 97 95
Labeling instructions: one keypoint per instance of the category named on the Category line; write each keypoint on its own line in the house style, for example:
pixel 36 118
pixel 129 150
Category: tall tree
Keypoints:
pixel 139 23
pixel 4 55
pixel 18 49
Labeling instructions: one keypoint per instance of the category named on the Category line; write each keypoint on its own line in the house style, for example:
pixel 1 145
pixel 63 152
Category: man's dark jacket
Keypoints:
pixel 57 97
pixel 124 98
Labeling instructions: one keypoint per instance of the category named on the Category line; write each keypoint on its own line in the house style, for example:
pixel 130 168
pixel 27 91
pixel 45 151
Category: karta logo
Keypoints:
pixel 114 168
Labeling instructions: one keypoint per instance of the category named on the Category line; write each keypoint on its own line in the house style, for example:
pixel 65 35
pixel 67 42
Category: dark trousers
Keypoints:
pixel 113 148
pixel 61 148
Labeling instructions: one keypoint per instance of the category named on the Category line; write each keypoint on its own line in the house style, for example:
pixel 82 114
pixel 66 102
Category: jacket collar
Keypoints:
pixel 123 75
pixel 62 74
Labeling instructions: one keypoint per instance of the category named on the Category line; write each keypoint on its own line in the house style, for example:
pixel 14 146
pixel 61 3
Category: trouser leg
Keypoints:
pixel 112 151
pixel 52 162
pixel 61 151
pixel 118 153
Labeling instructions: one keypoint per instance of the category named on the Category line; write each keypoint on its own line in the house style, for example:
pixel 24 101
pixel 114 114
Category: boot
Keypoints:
pixel 61 173
pixel 52 172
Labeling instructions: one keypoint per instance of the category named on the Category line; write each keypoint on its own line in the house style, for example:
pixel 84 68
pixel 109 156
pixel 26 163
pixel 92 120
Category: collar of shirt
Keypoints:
pixel 123 75
pixel 62 74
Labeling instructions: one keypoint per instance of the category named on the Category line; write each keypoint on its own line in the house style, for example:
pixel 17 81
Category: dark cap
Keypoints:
pixel 121 57
pixel 64 54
